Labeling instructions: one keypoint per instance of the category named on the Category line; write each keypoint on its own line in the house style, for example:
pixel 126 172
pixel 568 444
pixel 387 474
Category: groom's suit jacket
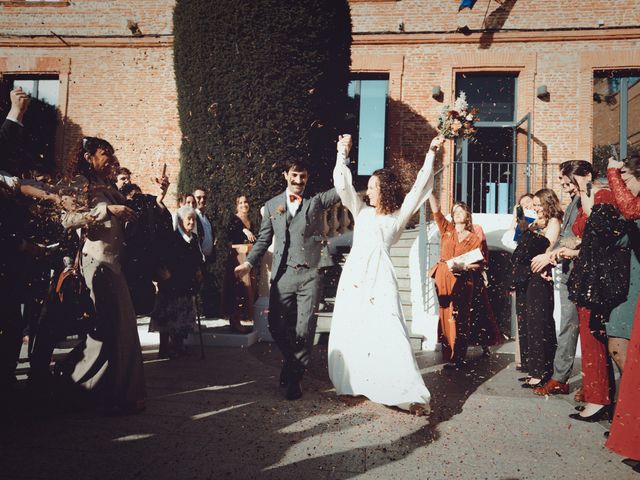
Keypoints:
pixel 299 240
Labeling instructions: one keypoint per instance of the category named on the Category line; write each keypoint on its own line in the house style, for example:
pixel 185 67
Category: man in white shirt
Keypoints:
pixel 207 241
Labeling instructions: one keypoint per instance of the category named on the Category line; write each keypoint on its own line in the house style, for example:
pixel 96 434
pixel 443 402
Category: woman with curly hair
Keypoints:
pixel 369 349
pixel 536 326
pixel 109 360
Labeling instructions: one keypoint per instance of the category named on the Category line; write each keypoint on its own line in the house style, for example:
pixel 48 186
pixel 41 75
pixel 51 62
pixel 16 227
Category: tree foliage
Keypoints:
pixel 259 82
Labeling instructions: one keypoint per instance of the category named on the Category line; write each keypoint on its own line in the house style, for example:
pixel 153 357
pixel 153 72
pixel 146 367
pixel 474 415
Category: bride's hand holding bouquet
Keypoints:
pixel 437 142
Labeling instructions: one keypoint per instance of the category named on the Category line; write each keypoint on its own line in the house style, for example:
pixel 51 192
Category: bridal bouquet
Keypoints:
pixel 458 121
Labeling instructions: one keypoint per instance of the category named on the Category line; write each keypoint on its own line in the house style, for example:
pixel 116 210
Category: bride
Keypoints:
pixel 369 349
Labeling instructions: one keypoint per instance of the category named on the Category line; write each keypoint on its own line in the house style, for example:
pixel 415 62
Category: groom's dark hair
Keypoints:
pixel 296 166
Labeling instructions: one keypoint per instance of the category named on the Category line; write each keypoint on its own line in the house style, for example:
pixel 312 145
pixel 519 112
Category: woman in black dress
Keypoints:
pixel 536 326
pixel 239 293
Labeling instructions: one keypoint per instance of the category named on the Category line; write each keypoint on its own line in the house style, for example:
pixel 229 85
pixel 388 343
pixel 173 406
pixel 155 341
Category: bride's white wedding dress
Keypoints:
pixel 369 349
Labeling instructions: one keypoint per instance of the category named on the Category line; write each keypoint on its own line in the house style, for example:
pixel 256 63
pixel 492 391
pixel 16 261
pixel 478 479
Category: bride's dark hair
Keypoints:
pixel 391 191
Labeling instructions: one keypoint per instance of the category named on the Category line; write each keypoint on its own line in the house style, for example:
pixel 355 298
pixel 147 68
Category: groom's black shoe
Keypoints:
pixel 294 390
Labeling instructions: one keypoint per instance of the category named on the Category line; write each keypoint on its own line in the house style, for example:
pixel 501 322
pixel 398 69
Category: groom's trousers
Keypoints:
pixel 293 304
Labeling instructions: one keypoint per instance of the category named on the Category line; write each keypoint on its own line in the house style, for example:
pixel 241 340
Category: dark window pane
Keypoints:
pixel 486 180
pixel 493 94
pixel 606 117
pixel 616 114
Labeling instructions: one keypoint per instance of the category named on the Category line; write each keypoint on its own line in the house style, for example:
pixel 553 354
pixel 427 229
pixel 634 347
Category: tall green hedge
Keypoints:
pixel 259 82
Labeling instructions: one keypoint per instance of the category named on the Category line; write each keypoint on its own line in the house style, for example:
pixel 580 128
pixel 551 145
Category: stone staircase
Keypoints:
pixel 400 259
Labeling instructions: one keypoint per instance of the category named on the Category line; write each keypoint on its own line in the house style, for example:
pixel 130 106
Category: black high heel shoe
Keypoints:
pixel 604 412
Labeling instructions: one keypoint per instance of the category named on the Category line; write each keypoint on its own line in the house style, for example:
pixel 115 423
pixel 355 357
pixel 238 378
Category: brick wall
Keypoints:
pixel 442 15
pixel 122 88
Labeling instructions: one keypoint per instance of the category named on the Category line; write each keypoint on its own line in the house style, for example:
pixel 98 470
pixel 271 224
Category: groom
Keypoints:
pixel 297 223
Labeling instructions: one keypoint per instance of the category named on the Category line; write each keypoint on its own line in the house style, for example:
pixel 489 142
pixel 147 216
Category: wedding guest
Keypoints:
pixel 239 295
pixel 621 318
pixel 185 199
pixel 11 131
pixel 597 371
pixel 569 325
pixel 123 177
pixel 525 202
pixel 509 240
pixel 624 437
pixel 511 235
pixel 537 333
pixel 12 241
pixel 174 314
pixel 454 286
pixel 110 356
pixel 207 242
pixel 484 329
pixel 143 236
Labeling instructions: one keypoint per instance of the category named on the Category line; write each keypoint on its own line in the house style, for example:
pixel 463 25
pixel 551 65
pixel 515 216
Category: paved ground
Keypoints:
pixel 224 417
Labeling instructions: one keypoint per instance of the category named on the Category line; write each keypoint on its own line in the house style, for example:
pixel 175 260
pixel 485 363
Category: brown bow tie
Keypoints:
pixel 294 198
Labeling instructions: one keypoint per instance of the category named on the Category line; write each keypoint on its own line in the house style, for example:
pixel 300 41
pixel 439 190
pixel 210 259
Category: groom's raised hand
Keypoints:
pixel 344 144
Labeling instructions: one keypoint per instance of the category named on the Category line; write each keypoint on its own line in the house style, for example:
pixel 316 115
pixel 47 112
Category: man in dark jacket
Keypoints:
pixel 12 243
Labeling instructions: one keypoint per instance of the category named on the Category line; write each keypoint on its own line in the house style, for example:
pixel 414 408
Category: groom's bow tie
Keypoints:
pixel 294 198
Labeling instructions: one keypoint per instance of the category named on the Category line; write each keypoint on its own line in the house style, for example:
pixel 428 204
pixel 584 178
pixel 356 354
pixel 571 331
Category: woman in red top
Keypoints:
pixel 454 285
pixel 624 437
pixel 596 365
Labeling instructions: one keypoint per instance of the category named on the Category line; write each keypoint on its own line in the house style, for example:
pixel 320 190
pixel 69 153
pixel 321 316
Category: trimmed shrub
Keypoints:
pixel 259 82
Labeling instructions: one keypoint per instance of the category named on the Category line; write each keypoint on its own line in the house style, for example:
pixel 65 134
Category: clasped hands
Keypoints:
pixel 540 262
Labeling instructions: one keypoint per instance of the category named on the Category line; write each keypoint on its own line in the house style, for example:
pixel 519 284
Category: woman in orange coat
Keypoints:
pixel 454 285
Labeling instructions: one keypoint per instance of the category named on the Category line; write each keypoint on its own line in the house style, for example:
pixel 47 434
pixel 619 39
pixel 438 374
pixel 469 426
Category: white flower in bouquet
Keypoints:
pixel 459 120
pixel 461 104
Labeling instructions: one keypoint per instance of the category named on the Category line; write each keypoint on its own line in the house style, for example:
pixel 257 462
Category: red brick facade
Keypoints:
pixel 120 86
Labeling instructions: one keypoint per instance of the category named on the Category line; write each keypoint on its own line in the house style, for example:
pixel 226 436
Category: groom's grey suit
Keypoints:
pixel 296 281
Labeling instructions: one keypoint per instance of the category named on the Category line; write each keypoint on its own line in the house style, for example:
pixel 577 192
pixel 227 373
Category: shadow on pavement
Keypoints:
pixel 225 417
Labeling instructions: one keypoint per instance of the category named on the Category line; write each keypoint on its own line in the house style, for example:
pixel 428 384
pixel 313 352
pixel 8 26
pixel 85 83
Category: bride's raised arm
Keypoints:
pixel 422 186
pixel 342 180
